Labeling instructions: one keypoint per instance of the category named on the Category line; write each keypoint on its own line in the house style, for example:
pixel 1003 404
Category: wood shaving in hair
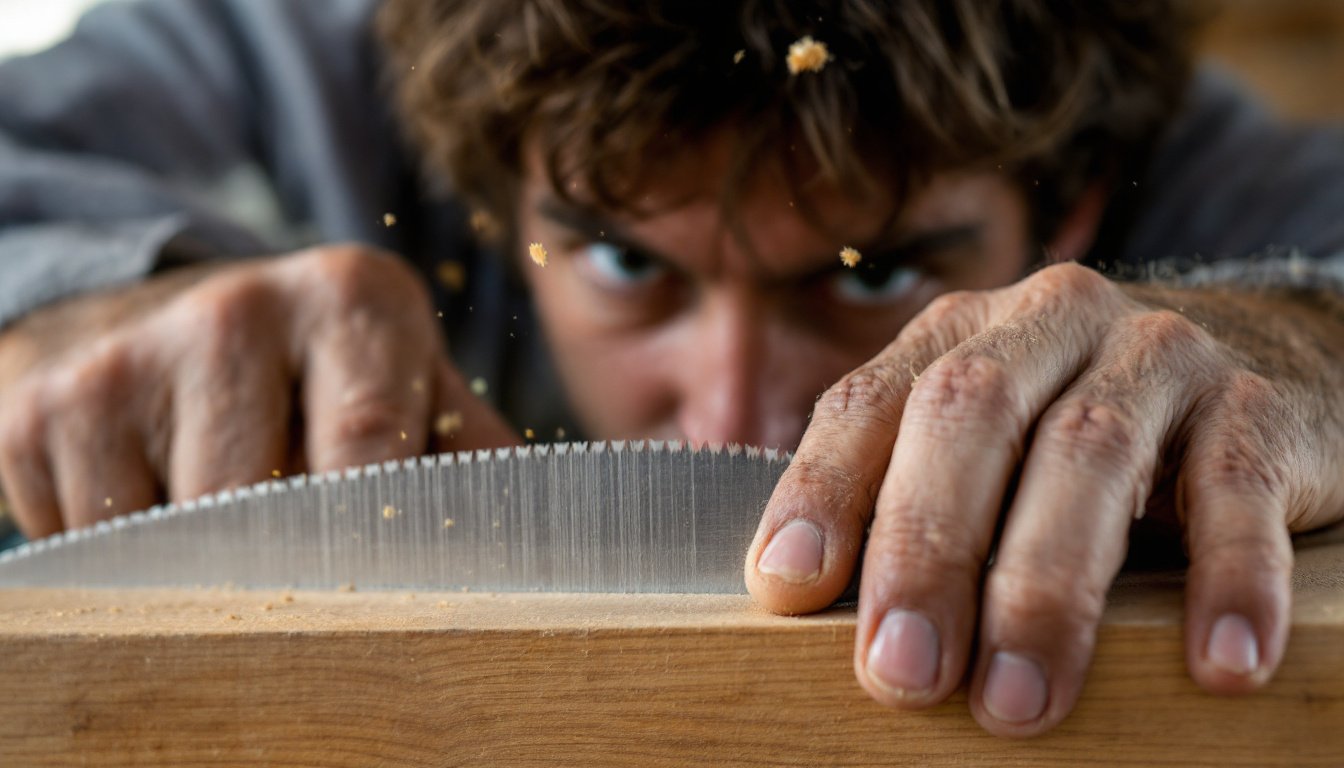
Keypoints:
pixel 850 257
pixel 538 253
pixel 807 55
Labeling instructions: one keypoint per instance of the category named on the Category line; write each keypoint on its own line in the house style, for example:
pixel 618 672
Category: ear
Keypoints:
pixel 1076 233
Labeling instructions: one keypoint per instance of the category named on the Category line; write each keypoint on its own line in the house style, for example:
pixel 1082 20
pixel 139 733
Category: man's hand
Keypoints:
pixel 211 378
pixel 1060 408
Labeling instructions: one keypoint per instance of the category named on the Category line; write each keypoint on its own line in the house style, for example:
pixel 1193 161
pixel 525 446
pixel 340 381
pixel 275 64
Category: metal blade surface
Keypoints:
pixel 637 517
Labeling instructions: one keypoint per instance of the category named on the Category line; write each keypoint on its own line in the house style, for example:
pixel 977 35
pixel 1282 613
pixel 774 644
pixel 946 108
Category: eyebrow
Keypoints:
pixel 907 248
pixel 594 225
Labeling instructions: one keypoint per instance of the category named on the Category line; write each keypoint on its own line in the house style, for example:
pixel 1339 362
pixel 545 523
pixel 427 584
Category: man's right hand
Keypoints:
pixel 209 378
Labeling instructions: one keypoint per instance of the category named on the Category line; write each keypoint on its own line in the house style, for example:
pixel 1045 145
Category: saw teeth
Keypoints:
pixel 617 446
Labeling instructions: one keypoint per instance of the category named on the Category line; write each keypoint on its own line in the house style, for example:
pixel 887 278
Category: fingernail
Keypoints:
pixel 1232 645
pixel 904 655
pixel 794 554
pixel 1015 689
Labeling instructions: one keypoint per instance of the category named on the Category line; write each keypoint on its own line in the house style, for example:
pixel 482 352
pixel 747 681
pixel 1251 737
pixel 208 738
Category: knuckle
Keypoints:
pixel 947 318
pixel 225 310
pixel 1047 593
pixel 962 390
pixel 93 380
pixel 1233 463
pixel 1096 428
pixel 366 418
pixel 22 424
pixel 1230 554
pixel 1166 331
pixel 933 546
pixel 354 275
pixel 1251 398
pixel 1066 282
pixel 869 394
pixel 831 487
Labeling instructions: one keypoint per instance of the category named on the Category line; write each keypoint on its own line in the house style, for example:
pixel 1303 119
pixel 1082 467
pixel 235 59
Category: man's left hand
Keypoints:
pixel 1057 411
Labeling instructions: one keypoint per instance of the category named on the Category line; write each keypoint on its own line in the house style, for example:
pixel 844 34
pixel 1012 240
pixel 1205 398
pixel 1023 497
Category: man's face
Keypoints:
pixel 675 326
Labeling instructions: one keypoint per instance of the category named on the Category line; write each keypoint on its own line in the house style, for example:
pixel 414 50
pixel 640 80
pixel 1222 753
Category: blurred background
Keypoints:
pixel 1292 51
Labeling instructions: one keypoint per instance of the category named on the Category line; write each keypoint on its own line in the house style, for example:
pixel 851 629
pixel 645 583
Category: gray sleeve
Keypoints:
pixel 1231 181
pixel 115 144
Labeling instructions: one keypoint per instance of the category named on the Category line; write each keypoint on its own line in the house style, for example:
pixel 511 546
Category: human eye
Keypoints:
pixel 876 283
pixel 618 267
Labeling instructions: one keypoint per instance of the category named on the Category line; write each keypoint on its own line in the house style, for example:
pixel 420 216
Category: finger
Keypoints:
pixel 100 466
pixel 1092 465
pixel 25 474
pixel 231 397
pixel 1233 493
pixel 810 534
pixel 358 383
pixel 461 420
pixel 967 418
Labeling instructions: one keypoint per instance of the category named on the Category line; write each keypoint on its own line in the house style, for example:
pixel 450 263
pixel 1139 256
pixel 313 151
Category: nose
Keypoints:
pixel 722 387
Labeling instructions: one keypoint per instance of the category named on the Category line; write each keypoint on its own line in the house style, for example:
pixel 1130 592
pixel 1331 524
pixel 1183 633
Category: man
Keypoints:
pixel 691 174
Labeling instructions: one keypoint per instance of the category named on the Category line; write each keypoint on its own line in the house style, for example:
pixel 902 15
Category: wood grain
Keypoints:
pixel 218 677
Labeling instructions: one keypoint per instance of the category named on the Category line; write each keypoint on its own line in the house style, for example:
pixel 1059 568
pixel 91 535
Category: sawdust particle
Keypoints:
pixel 235 617
pixel 418 384
pixel 494 524
pixel 538 253
pixel 448 522
pixel 389 220
pixel 529 434
pixel 559 433
pixel 807 55
pixel 452 275
pixel 850 257
pixel 268 607
pixel 739 56
pixel 275 473
pixel 448 423
pixel 403 435
pixel 479 387
pixel 482 223
pixel 390 512
pixel 114 609
pixel 107 502
pixel 348 587
pixel 287 598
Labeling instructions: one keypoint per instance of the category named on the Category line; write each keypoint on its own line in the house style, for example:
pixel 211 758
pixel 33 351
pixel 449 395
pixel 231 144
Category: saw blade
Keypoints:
pixel 574 517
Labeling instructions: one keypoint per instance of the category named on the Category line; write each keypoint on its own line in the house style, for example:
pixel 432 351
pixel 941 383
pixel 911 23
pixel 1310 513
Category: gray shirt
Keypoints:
pixel 128 148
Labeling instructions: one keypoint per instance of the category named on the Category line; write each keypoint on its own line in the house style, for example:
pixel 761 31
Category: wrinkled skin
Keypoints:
pixel 1059 406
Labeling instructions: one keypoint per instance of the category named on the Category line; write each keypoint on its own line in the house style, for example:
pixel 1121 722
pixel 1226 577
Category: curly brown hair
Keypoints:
pixel 1053 92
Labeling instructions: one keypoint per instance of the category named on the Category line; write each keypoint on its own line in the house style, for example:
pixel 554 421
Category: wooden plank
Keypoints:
pixel 188 677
